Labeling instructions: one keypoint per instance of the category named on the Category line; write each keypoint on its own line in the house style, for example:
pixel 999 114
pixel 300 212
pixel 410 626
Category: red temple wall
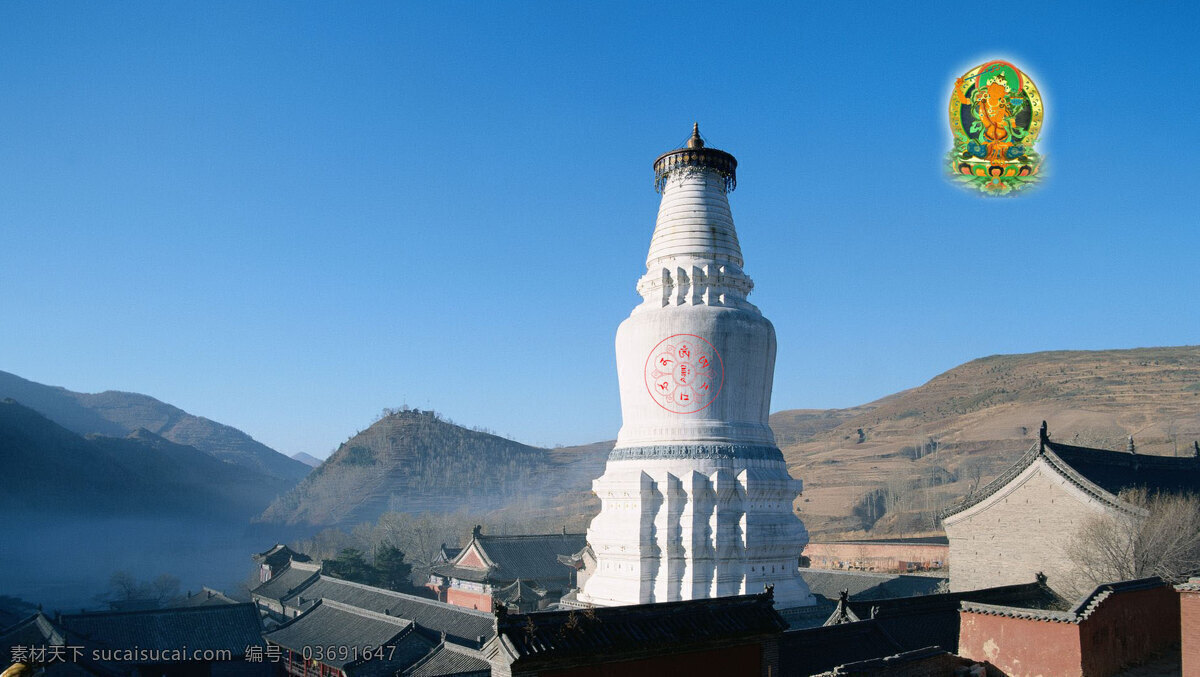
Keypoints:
pixel 1129 627
pixel 877 557
pixel 1020 647
pixel 470 600
pixel 1189 619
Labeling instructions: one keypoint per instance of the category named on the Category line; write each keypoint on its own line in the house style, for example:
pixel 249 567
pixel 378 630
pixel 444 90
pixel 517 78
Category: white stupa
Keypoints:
pixel 696 498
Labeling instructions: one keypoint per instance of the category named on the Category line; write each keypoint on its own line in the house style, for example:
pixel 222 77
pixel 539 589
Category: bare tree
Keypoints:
pixel 1162 539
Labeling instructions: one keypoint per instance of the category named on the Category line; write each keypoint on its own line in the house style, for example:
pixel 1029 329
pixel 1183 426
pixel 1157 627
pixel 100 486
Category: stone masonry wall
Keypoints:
pixel 1023 529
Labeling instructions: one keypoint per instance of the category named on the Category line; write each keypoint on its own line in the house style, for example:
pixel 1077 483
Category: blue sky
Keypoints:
pixel 288 216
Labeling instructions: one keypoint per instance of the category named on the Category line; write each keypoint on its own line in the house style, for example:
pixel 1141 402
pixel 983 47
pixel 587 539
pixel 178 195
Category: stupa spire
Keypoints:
pixel 696 499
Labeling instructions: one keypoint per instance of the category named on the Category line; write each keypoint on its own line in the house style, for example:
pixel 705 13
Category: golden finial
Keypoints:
pixel 695 141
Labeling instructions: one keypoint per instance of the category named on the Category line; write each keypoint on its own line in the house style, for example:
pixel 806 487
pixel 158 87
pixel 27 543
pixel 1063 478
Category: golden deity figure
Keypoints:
pixel 995 116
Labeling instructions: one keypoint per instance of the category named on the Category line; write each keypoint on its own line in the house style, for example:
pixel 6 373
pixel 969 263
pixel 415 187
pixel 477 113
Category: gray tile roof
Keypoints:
pixel 551 637
pixel 450 661
pixel 520 591
pixel 1115 471
pixel 285 582
pixel 328 623
pixel 231 627
pixel 863 585
pixel 813 650
pixel 206 597
pixel 1192 585
pixel 461 625
pixel 1099 472
pixel 39 630
pixel 1076 614
pixel 533 557
pixel 932 620
pixel 279 556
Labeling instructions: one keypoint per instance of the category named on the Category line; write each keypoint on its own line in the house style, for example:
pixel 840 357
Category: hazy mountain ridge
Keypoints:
pixel 116 414
pixel 307 459
pixel 966 425
pixel 53 470
pixel 414 461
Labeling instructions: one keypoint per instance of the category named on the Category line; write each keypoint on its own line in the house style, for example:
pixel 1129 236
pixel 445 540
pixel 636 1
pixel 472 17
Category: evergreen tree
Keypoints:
pixel 350 565
pixel 391 571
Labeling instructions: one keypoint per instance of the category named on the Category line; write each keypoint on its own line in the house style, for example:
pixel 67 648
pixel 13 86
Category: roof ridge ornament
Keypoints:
pixel 1043 438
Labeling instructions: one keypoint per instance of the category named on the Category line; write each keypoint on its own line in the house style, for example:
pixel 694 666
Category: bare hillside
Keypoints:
pixel 922 449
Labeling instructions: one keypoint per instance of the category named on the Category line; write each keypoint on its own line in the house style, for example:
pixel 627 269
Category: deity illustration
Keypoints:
pixel 996 116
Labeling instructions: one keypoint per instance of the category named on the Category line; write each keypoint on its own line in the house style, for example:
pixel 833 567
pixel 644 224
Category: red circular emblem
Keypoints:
pixel 684 373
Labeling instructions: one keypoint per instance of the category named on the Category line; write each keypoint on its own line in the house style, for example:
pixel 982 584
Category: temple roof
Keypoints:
pixel 865 585
pixel 279 556
pixel 637 630
pixel 231 627
pixel 448 660
pixel 927 620
pixel 462 625
pixel 206 597
pixel 508 558
pixel 1077 613
pixel 519 591
pixel 1102 473
pixel 332 624
pixel 38 630
pixel 814 650
pixel 284 582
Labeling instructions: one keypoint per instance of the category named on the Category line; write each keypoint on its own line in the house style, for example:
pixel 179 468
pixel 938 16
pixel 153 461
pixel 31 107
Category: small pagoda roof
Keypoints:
pixel 285 582
pixel 550 638
pixel 519 591
pixel 446 553
pixel 462 625
pixel 229 627
pixel 579 559
pixel 1101 473
pixel 279 555
pixel 330 623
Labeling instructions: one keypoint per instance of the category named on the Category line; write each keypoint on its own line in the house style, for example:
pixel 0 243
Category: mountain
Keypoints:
pixel 117 414
pixel 307 459
pixel 415 461
pixel 51 470
pixel 888 466
pixel 925 448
